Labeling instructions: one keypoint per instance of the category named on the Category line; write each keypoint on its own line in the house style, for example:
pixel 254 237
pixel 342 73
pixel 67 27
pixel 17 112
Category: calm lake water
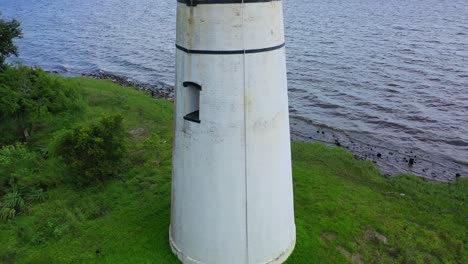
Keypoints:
pixel 394 72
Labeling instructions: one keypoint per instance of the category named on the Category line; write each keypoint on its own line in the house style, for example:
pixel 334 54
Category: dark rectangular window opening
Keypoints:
pixel 194 116
pixel 192 101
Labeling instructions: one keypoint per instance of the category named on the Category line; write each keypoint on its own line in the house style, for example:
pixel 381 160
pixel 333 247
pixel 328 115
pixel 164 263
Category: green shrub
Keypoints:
pixel 21 180
pixel 37 195
pixel 11 204
pixel 18 167
pixel 13 200
pixel 27 96
pixel 7 213
pixel 94 152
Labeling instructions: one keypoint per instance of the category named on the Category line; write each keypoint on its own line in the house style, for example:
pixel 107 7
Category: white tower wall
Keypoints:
pixel 232 184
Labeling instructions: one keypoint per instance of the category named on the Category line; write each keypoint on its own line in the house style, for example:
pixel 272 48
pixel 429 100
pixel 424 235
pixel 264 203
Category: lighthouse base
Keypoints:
pixel 188 260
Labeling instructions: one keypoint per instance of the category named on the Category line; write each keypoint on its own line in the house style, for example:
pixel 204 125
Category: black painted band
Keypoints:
pixel 228 52
pixel 207 2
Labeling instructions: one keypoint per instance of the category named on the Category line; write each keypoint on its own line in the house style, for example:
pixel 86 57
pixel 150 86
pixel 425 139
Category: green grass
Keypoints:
pixel 345 210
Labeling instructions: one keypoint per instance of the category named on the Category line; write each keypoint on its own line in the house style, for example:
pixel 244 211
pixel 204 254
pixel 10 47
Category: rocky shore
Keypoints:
pixel 157 90
pixel 391 160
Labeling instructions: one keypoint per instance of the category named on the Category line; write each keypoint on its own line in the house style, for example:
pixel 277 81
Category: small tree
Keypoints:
pixel 94 152
pixel 9 30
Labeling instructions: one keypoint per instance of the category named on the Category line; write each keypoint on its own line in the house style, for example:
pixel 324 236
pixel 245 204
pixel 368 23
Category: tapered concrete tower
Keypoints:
pixel 232 196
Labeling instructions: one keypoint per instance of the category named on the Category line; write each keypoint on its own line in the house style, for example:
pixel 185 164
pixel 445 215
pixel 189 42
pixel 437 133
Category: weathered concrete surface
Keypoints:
pixel 232 180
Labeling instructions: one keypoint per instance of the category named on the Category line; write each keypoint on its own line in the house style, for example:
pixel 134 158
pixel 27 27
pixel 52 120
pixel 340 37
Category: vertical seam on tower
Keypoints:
pixel 245 137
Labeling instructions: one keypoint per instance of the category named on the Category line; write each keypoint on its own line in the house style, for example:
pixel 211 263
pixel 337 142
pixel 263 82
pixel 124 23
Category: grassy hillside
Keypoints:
pixel 345 210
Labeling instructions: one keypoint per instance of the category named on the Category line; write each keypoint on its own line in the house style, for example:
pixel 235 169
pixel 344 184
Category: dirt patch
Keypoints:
pixel 138 132
pixel 353 258
pixel 328 237
pixel 371 235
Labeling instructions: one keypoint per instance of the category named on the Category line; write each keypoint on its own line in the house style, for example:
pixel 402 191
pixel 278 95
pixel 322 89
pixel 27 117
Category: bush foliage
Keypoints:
pixel 27 96
pixel 20 179
pixel 94 152
pixel 18 167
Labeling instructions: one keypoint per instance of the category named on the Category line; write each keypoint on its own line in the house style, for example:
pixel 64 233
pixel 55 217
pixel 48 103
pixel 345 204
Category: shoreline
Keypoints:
pixel 391 160
pixel 159 90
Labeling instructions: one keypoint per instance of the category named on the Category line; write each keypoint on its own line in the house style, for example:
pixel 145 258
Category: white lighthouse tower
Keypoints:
pixel 232 195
